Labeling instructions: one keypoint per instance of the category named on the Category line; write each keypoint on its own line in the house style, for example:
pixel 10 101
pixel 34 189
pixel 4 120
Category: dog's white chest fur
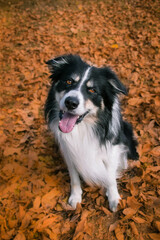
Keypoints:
pixel 94 163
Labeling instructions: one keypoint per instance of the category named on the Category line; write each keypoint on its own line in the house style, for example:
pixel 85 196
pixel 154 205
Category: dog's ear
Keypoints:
pixel 114 81
pixel 57 63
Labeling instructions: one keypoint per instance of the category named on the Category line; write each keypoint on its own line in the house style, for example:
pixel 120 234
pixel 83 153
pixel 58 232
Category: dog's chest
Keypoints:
pixel 82 149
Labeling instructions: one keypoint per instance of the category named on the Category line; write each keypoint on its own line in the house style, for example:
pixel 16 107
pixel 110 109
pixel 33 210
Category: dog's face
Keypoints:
pixel 82 91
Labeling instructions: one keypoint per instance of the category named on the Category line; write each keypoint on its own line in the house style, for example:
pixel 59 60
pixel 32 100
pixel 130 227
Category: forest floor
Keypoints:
pixel 34 181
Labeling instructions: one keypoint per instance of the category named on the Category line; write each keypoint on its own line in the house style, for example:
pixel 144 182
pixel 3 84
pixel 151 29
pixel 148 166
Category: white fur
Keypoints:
pixel 97 165
pixel 60 62
pixel 85 77
pixel 115 123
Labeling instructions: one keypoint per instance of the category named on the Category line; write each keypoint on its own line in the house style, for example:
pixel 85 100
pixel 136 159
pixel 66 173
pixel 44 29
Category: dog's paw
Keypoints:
pixel 74 199
pixel 113 205
pixel 113 201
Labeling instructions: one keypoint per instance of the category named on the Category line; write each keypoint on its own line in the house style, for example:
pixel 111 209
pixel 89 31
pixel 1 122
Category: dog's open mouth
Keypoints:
pixel 68 121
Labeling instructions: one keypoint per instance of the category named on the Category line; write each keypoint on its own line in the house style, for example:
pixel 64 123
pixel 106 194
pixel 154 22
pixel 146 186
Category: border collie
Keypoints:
pixel 83 112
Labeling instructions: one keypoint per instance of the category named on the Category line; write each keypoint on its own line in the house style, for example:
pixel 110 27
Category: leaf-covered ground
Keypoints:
pixel 34 181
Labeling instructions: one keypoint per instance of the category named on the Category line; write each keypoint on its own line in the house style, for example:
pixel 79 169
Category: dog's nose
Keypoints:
pixel 71 103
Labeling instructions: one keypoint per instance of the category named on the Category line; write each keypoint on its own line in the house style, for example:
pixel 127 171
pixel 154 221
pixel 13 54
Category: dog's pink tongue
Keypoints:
pixel 68 122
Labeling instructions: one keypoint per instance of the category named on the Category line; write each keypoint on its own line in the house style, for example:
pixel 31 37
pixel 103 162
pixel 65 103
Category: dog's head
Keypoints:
pixel 82 91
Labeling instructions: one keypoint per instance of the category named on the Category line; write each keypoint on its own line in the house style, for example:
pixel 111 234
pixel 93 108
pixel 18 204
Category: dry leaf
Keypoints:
pixel 81 225
pixel 132 203
pixel 129 211
pixel 113 226
pixel 154 236
pixel 37 202
pixel 21 213
pixel 138 220
pixel 119 233
pixel 48 221
pixel 20 236
pixel 49 200
pixel 157 225
pixel 106 211
pixel 156 151
pixel 9 151
pixel 135 101
pixel 114 46
pixel 134 228
pixel 25 221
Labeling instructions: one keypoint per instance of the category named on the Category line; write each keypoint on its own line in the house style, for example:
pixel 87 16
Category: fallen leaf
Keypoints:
pixel 138 220
pixel 48 221
pixel 119 233
pixel 81 225
pixel 134 228
pixel 37 202
pixel 20 236
pixel 106 211
pixel 25 221
pixel 135 101
pixel 113 226
pixel 49 200
pixel 21 213
pixel 114 46
pixel 157 225
pixel 133 203
pixel 154 236
pixel 10 151
pixel 129 211
pixel 156 151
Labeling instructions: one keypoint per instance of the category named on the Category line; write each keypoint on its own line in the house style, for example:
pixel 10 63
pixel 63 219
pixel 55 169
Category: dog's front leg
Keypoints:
pixel 113 195
pixel 116 156
pixel 76 191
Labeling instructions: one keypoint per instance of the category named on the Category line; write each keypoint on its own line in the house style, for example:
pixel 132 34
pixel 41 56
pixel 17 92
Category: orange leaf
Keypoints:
pixel 10 151
pixel 157 225
pixel 81 225
pixel 20 236
pixel 48 222
pixel 37 202
pixel 21 213
pixel 113 226
pixel 51 234
pixel 129 211
pixel 133 190
pixel 26 221
pixel 134 228
pixel 154 236
pixel 156 151
pixel 106 211
pixel 132 203
pixel 114 46
pixel 50 198
pixel 119 233
pixel 157 101
pixel 138 220
pixel 135 101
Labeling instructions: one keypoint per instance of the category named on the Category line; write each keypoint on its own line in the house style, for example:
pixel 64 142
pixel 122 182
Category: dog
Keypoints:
pixel 83 112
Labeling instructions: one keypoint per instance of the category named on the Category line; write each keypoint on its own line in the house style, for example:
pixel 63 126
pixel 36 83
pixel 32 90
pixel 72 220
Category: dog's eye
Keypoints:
pixel 91 90
pixel 69 82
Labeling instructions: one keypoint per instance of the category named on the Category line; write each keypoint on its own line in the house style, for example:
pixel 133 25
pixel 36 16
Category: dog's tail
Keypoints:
pixel 131 141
